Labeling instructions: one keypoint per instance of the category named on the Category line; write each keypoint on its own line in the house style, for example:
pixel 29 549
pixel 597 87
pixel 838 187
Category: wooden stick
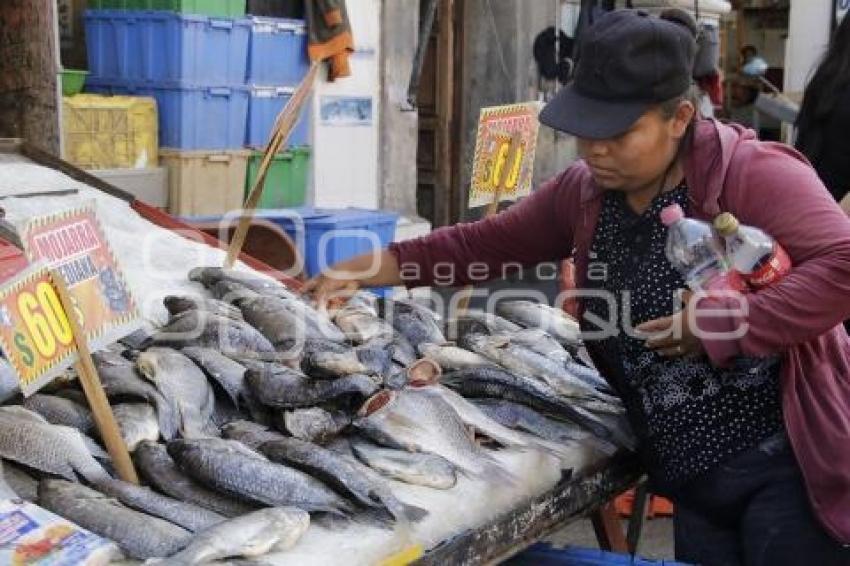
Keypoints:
pixel 103 417
pixel 284 124
pixel 492 210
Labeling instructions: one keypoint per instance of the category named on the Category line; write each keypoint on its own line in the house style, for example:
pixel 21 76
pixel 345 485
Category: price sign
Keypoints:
pixel 35 333
pixel 74 244
pixel 494 163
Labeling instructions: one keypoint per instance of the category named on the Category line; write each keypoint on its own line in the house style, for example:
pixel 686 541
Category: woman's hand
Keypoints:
pixel 672 336
pixel 326 288
pixel 374 269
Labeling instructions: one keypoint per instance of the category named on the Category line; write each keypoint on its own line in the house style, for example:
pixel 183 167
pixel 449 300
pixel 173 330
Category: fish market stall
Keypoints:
pixel 302 435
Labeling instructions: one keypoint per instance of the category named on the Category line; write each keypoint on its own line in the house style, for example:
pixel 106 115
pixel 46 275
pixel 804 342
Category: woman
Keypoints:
pixel 824 118
pixel 741 405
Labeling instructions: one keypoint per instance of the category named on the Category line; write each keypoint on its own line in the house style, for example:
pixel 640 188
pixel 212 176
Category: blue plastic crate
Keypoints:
pixel 263 108
pixel 545 555
pixel 114 44
pixel 167 46
pixel 190 117
pixel 326 236
pixel 277 54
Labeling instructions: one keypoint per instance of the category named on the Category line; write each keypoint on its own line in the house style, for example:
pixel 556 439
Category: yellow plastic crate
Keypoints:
pixel 110 132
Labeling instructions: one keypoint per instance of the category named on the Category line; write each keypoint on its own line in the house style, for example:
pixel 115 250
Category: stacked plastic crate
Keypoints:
pixel 277 62
pixel 192 57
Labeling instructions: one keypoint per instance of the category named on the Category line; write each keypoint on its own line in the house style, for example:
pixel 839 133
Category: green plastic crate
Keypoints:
pixel 215 8
pixel 286 180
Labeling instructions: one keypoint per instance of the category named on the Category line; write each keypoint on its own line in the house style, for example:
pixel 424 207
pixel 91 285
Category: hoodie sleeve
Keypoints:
pixel 773 188
pixel 534 230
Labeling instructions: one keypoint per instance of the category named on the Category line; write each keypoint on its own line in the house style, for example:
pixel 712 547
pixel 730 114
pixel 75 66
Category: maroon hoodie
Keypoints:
pixel 764 184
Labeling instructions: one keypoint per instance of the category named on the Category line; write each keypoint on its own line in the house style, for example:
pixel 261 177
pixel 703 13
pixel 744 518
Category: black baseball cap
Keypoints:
pixel 629 61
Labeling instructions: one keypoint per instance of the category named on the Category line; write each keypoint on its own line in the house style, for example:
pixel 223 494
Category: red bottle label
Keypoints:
pixel 771 271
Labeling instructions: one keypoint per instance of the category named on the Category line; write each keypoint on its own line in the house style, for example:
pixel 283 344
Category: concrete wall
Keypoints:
pixel 345 162
pixel 808 37
pixel 399 124
pixel 499 68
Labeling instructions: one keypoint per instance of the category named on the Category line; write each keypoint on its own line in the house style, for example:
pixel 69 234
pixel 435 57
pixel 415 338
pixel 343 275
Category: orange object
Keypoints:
pixel 658 506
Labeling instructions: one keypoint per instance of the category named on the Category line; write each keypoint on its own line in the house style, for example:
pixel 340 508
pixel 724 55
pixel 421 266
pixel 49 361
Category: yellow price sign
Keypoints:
pixel 35 333
pixel 495 169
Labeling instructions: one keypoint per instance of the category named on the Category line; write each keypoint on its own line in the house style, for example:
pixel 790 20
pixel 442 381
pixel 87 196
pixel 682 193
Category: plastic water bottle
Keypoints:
pixel 756 256
pixel 695 251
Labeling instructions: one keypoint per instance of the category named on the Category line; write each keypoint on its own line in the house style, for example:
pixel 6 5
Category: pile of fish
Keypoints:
pixel 251 413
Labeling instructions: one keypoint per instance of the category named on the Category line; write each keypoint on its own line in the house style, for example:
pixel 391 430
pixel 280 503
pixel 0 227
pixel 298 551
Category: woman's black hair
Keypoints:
pixel 823 93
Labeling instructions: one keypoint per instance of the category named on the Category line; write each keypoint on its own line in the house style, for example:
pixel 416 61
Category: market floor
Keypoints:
pixel 656 540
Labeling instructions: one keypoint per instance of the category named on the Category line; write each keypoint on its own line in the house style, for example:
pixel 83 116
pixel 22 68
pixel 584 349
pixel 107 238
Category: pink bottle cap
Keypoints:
pixel 672 214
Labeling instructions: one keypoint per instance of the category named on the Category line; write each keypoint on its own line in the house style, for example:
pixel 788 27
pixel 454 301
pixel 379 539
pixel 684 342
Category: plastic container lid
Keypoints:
pixel 726 224
pixel 672 214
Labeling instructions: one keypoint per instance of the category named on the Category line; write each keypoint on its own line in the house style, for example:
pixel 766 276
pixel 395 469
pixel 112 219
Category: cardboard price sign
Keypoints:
pixel 73 244
pixel 35 333
pixel 496 170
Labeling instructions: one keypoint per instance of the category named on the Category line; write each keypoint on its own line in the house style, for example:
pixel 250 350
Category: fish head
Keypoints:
pixel 424 372
pixel 377 402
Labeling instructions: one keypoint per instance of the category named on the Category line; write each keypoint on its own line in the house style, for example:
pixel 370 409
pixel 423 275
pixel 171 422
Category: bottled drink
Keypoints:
pixel 695 251
pixel 757 257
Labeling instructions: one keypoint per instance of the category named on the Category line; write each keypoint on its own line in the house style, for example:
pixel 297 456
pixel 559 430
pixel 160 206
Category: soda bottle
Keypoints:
pixel 696 252
pixel 757 257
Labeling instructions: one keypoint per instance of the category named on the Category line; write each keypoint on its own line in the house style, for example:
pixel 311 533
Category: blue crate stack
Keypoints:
pixel 219 83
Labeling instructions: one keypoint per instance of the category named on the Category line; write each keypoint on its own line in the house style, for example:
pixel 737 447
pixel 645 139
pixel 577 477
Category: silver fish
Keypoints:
pixel 23 484
pixel 6 490
pixel 250 434
pixel 9 384
pixel 415 322
pixel 520 417
pixel 478 322
pixel 361 324
pixel 26 438
pixel 523 361
pixel 280 387
pixel 184 385
pixel 233 468
pixel 137 422
pixel 492 382
pixel 229 374
pixel 325 358
pixel 158 469
pixel 191 517
pixel 284 321
pixel 449 356
pixel 415 468
pixel 177 304
pixel 121 380
pixel 426 423
pixel 139 535
pixel 208 330
pixel 209 276
pixel 315 424
pixel 61 411
pixel 254 534
pixel 475 418
pixel 328 467
pixel 564 328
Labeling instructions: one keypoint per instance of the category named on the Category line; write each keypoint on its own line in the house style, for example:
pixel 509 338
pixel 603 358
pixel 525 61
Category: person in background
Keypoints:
pixel 752 64
pixel 747 432
pixel 824 119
